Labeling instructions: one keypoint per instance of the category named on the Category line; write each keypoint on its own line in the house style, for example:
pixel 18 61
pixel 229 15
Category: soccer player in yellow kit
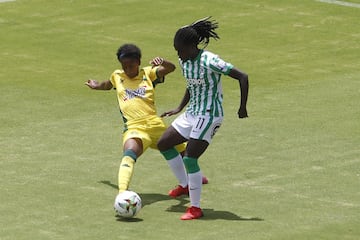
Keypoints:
pixel 135 93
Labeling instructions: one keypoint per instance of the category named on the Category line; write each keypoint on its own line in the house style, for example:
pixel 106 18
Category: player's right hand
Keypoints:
pixel 93 84
pixel 242 113
pixel 170 113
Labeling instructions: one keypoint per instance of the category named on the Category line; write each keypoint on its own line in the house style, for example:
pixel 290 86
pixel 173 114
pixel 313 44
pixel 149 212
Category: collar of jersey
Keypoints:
pixel 140 74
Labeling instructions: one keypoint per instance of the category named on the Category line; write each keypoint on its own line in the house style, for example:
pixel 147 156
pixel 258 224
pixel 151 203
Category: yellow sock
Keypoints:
pixel 125 173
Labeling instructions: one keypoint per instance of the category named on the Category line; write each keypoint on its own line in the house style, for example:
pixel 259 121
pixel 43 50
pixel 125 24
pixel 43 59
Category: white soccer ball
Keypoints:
pixel 127 204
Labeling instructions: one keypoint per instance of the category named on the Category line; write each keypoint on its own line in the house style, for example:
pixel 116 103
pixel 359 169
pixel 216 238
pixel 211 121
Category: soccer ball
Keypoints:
pixel 127 204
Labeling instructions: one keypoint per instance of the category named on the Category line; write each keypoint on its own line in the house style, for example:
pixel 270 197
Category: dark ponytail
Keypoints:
pixel 198 32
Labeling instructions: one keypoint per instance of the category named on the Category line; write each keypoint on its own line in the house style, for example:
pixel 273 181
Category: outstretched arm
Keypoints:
pixel 93 84
pixel 244 89
pixel 165 67
pixel 183 103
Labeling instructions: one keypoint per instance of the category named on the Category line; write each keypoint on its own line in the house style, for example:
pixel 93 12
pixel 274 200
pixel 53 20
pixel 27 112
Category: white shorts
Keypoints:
pixel 197 127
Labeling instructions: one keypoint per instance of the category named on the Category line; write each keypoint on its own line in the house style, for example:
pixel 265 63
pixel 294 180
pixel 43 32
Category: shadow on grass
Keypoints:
pixel 146 198
pixel 129 220
pixel 109 184
pixel 209 214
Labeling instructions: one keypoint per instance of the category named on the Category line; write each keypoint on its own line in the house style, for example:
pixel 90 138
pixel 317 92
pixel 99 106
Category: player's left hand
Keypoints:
pixel 242 113
pixel 157 61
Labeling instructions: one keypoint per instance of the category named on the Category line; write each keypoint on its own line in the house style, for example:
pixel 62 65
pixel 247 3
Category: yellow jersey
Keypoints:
pixel 136 95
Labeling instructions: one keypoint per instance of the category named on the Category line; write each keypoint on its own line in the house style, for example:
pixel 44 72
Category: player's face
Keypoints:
pixel 184 52
pixel 130 66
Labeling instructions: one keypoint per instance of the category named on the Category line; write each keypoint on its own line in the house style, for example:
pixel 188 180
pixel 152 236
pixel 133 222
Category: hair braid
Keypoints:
pixel 205 28
pixel 198 32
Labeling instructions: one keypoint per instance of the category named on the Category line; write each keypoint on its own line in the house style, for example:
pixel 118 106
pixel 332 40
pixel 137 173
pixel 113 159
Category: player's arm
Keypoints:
pixel 244 89
pixel 165 66
pixel 93 84
pixel 183 103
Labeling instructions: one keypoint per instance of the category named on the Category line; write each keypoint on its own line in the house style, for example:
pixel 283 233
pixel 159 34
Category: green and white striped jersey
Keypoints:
pixel 203 75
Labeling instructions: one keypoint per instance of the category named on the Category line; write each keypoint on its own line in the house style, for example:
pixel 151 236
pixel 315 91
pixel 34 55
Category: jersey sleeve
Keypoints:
pixel 152 74
pixel 220 66
pixel 113 77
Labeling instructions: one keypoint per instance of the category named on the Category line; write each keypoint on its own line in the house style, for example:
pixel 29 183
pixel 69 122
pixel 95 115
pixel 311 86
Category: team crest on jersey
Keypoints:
pixel 130 94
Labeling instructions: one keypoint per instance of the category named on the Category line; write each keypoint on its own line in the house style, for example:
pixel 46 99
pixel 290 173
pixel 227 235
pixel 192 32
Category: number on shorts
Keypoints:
pixel 200 123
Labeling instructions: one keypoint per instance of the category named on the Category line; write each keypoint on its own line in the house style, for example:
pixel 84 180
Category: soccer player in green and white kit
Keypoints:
pixel 204 113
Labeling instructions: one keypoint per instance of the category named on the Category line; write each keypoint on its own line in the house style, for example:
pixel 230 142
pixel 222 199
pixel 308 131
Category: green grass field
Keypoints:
pixel 289 171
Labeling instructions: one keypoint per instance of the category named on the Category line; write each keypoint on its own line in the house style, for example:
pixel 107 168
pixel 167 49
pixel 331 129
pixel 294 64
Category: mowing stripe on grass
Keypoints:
pixel 341 3
pixel 4 1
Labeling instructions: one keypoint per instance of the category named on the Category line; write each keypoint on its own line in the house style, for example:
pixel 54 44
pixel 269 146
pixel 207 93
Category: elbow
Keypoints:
pixel 244 79
pixel 173 67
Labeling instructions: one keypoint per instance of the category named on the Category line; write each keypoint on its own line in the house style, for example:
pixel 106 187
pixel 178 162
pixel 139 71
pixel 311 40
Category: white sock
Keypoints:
pixel 177 166
pixel 195 184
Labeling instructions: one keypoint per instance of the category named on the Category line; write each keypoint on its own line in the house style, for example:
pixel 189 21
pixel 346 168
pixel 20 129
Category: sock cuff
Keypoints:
pixel 130 153
pixel 191 164
pixel 170 153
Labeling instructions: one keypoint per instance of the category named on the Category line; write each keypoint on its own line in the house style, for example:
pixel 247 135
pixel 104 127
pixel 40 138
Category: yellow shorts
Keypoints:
pixel 149 131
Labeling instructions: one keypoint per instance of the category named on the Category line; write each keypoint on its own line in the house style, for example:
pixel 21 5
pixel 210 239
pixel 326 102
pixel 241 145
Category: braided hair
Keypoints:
pixel 197 33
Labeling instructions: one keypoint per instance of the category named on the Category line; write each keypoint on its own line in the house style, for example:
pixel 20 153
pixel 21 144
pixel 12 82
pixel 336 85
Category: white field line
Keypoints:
pixel 4 1
pixel 341 3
